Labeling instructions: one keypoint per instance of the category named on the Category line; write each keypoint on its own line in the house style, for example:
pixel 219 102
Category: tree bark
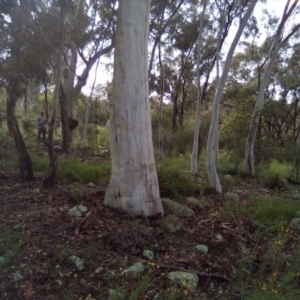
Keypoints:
pixel 133 185
pixel 277 44
pixel 25 164
pixel 213 130
pixel 50 177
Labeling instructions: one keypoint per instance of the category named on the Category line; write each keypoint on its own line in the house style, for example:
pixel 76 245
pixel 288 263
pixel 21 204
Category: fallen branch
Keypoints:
pixel 200 274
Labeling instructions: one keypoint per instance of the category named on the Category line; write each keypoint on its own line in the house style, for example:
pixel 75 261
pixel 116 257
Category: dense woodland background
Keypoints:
pixel 223 88
pixel 30 32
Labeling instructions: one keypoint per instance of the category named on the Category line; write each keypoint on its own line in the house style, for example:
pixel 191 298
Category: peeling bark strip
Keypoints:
pixel 133 184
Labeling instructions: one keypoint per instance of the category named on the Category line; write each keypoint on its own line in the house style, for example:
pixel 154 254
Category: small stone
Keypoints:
pixel 219 237
pixel 91 185
pixel 17 276
pixel 295 225
pixel 231 196
pixel 296 196
pixel 77 210
pixel 148 253
pixel 98 270
pixel 188 280
pixel 196 202
pixel 60 283
pixel 178 209
pixel 77 261
pixel 171 224
pixel 264 191
pixel 202 248
pixel 135 270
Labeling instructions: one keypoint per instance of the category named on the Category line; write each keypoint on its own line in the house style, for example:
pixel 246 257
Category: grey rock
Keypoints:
pixel 202 248
pixel 295 225
pixel 135 270
pixel 231 196
pixel 219 237
pixel 178 209
pixel 196 202
pixel 188 280
pixel 91 185
pixel 99 270
pixel 77 211
pixel 148 253
pixel 77 261
pixel 171 224
pixel 227 179
pixel 296 196
pixel 264 191
pixel 17 276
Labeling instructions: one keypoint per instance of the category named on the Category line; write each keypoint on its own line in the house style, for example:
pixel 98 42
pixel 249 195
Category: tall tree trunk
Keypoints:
pixel 133 184
pixel 175 113
pixel 66 142
pixel 49 179
pixel 277 44
pixel 87 110
pixel 213 130
pixel 161 101
pixel 194 158
pixel 25 164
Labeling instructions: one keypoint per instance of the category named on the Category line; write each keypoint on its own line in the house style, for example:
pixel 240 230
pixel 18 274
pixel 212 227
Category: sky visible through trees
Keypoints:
pixel 104 74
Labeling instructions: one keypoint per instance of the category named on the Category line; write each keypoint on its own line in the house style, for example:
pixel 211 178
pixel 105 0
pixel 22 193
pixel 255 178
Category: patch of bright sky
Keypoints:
pixel 274 7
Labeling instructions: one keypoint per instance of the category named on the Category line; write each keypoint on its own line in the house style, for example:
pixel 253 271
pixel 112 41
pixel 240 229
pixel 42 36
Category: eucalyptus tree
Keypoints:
pixel 278 41
pixel 133 184
pixel 89 35
pixel 220 19
pixel 64 6
pixel 21 62
pixel 245 10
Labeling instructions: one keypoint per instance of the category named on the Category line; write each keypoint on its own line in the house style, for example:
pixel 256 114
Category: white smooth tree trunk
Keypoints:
pixel 213 130
pixel 194 158
pixel 161 101
pixel 277 44
pixel 133 186
pixel 87 110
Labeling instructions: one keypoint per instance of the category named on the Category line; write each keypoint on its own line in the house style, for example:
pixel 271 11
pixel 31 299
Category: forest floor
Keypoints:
pixel 245 257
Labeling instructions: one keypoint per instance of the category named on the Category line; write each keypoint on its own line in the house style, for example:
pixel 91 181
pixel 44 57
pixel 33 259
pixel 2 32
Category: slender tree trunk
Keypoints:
pixel 25 164
pixel 66 142
pixel 175 113
pixel 50 177
pixel 87 111
pixel 25 101
pixel 277 44
pixel 46 101
pixel 195 156
pixel 160 121
pixel 213 130
pixel 133 184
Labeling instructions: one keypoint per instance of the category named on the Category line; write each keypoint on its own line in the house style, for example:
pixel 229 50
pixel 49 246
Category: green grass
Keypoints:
pixel 273 278
pixel 75 171
pixel 270 210
pixel 11 242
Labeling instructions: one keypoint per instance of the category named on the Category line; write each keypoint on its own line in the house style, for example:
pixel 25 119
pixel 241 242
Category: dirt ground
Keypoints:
pixel 112 241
